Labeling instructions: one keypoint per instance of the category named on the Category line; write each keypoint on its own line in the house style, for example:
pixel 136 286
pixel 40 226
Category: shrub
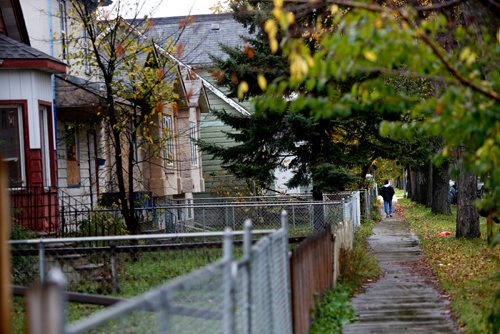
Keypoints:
pixel 332 312
pixel 24 268
pixel 102 223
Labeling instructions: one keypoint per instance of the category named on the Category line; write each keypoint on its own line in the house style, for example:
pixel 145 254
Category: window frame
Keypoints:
pixel 45 145
pixel 22 144
pixel 193 136
pixel 169 151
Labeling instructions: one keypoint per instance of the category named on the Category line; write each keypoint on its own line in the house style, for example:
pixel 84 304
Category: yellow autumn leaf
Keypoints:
pixel 261 80
pixel 273 44
pixel 277 12
pixel 464 54
pixel 471 59
pixel 270 27
pixel 242 89
pixel 334 9
pixel 370 55
pixel 278 3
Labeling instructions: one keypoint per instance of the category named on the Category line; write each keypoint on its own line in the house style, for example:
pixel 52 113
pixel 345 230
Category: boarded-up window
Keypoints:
pixel 12 144
pixel 72 155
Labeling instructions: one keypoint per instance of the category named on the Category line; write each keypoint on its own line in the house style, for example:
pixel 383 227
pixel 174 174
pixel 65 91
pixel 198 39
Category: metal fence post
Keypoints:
pixel 45 305
pixel 288 288
pixel 358 208
pixel 114 269
pixel 63 222
pixel 41 261
pixel 229 309
pixel 247 277
pixel 344 209
pixel 164 314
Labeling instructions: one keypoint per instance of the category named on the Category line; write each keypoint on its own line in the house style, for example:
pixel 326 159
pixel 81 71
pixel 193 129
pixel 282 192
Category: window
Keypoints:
pixel 12 144
pixel 193 134
pixel 45 145
pixel 72 155
pixel 169 139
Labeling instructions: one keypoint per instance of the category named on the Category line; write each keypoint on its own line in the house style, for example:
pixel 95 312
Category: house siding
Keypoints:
pixel 31 86
pixel 213 131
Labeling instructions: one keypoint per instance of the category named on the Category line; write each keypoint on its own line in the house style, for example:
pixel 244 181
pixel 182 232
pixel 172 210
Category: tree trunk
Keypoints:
pixel 440 189
pixel 413 184
pixel 467 215
pixel 428 195
pixel 422 176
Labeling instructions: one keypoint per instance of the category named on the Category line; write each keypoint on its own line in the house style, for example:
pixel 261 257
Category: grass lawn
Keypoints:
pixel 135 278
pixel 464 268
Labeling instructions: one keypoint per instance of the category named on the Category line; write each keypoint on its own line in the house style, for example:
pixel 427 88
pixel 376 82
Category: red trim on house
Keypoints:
pixel 26 138
pixel 53 155
pixel 37 64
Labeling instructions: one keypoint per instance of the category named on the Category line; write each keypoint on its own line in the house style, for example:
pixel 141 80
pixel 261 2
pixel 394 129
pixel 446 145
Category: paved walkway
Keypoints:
pixel 404 299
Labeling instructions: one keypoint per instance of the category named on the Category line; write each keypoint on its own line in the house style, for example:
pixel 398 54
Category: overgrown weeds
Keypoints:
pixel 332 311
pixel 464 268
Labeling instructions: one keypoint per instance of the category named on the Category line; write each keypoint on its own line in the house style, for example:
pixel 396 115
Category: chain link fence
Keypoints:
pixel 249 293
pixel 198 217
pixel 119 265
pixel 129 265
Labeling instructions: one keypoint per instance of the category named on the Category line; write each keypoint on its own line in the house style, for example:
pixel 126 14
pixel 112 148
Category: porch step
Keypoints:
pixel 70 256
pixel 89 266
pixel 152 231
pixel 45 234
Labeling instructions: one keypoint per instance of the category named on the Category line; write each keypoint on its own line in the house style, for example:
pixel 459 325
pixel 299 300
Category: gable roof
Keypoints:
pixel 200 35
pixel 184 66
pixel 12 21
pixel 16 55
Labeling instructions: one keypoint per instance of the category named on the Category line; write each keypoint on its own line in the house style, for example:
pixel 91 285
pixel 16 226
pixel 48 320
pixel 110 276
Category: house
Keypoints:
pixel 27 136
pixel 200 36
pixel 71 157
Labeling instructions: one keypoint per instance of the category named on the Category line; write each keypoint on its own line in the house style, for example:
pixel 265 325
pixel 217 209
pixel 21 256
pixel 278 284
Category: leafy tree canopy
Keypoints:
pixel 374 44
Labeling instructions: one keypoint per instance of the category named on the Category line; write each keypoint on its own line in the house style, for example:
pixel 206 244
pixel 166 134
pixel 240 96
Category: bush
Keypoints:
pixel 102 223
pixel 332 312
pixel 24 268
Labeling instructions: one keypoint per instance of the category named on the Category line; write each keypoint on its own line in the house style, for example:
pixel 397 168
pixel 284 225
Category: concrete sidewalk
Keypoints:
pixel 404 299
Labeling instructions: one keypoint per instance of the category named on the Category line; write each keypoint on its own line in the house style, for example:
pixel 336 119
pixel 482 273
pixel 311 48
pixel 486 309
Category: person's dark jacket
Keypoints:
pixel 387 192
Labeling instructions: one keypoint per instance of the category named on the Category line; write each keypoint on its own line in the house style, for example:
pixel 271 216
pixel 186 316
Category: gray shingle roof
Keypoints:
pixel 12 49
pixel 202 37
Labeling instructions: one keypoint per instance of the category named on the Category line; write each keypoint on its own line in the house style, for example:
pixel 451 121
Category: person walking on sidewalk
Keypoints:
pixel 387 192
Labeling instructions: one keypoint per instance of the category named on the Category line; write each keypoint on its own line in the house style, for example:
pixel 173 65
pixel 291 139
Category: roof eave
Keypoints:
pixel 45 65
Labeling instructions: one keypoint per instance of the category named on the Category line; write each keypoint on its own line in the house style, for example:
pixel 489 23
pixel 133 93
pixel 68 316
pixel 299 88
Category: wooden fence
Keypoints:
pixel 314 268
pixel 311 272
